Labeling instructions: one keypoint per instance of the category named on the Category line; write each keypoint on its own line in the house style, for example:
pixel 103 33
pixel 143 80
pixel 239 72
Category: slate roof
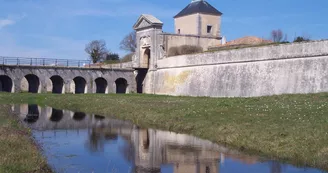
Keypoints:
pixel 198 6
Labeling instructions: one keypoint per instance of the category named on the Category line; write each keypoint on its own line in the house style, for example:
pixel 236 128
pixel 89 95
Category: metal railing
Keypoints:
pixel 18 61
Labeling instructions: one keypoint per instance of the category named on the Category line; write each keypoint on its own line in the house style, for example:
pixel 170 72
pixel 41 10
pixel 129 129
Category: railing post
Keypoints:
pixel 31 62
pixel 67 63
pixel 78 63
pixel 43 62
pixel 56 62
pixel 3 61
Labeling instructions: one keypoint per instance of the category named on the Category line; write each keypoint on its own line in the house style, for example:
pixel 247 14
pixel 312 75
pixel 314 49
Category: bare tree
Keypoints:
pixel 97 50
pixel 129 42
pixel 277 35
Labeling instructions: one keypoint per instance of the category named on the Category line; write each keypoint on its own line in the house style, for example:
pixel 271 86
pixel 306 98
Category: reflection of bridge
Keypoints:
pixel 62 76
pixel 151 148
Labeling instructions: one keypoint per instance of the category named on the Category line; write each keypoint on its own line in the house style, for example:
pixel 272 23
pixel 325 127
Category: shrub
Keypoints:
pixel 301 39
pixel 184 49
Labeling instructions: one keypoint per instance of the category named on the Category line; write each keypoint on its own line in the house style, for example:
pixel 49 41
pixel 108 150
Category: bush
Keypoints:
pixel 184 49
pixel 301 39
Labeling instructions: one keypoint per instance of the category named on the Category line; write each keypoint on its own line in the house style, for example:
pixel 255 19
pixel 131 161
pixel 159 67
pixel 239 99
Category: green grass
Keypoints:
pixel 293 128
pixel 18 152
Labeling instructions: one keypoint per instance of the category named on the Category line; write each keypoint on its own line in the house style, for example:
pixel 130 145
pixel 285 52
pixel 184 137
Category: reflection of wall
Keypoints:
pixel 151 148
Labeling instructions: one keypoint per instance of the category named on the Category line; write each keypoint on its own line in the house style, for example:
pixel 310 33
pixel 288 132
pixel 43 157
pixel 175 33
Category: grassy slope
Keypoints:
pixel 289 127
pixel 18 153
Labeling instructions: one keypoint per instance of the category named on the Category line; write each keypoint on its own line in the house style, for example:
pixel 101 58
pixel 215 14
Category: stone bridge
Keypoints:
pixel 58 79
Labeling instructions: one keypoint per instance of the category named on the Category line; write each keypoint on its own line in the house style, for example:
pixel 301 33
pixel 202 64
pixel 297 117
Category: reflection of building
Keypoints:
pixel 146 149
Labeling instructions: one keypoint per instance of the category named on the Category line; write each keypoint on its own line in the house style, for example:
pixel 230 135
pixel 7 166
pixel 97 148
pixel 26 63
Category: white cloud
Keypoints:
pixel 6 22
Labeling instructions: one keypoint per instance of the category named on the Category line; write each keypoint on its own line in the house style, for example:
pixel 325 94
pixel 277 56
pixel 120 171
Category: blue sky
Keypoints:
pixel 62 28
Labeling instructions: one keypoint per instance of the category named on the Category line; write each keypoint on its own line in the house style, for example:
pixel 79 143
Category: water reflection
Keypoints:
pixel 77 142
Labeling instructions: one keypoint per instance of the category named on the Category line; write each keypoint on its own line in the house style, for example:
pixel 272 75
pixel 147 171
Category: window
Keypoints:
pixel 209 29
pixel 208 170
pixel 178 31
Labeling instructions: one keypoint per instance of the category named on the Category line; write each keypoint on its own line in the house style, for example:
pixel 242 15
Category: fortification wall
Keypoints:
pixel 249 72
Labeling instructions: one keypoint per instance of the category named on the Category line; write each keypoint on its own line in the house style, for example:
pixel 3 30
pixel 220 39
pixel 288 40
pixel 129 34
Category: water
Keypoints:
pixel 77 142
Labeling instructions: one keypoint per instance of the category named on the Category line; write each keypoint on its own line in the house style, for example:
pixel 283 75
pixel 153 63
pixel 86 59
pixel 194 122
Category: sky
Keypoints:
pixel 62 28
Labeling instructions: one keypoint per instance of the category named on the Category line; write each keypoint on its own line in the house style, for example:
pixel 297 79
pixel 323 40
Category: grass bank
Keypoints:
pixel 288 127
pixel 18 152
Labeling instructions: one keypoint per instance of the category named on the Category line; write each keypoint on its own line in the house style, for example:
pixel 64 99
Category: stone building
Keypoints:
pixel 198 18
pixel 198 24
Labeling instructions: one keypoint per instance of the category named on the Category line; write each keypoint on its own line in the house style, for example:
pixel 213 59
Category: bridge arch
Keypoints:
pixel 57 84
pixel 33 113
pixel 121 85
pixel 101 85
pixel 79 116
pixel 6 84
pixel 30 83
pixel 56 115
pixel 80 85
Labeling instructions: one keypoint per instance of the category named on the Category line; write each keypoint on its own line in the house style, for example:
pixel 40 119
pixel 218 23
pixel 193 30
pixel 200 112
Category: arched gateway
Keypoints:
pixel 148 36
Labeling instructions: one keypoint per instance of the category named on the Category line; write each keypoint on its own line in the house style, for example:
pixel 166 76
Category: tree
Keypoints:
pixel 277 36
pixel 112 56
pixel 301 39
pixel 129 42
pixel 97 50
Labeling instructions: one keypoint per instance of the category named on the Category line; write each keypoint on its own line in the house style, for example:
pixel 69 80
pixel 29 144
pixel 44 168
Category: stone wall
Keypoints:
pixel 249 72
pixel 119 65
pixel 173 40
pixel 43 74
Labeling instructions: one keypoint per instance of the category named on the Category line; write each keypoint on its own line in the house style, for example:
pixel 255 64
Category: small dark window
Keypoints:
pixel 208 170
pixel 178 31
pixel 209 29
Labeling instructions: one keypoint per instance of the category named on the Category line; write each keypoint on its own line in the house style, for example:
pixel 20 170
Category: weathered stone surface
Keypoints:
pixel 18 73
pixel 271 70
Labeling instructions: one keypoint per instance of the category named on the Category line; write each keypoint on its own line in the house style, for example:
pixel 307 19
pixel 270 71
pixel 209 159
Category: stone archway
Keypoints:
pixel 33 83
pixel 101 85
pixel 80 85
pixel 146 58
pixel 121 86
pixel 6 84
pixel 57 84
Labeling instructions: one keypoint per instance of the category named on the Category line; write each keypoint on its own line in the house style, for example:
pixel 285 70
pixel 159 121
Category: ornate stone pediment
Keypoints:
pixel 147 20
pixel 143 24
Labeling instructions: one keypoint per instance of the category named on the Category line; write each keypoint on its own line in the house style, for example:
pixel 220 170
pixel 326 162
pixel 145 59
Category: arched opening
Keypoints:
pixel 56 115
pixel 57 84
pixel 80 85
pixel 99 117
pixel 146 58
pixel 6 84
pixel 101 85
pixel 33 83
pixel 79 116
pixel 33 114
pixel 121 85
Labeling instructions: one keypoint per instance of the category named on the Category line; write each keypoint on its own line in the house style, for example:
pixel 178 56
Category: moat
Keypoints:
pixel 78 142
